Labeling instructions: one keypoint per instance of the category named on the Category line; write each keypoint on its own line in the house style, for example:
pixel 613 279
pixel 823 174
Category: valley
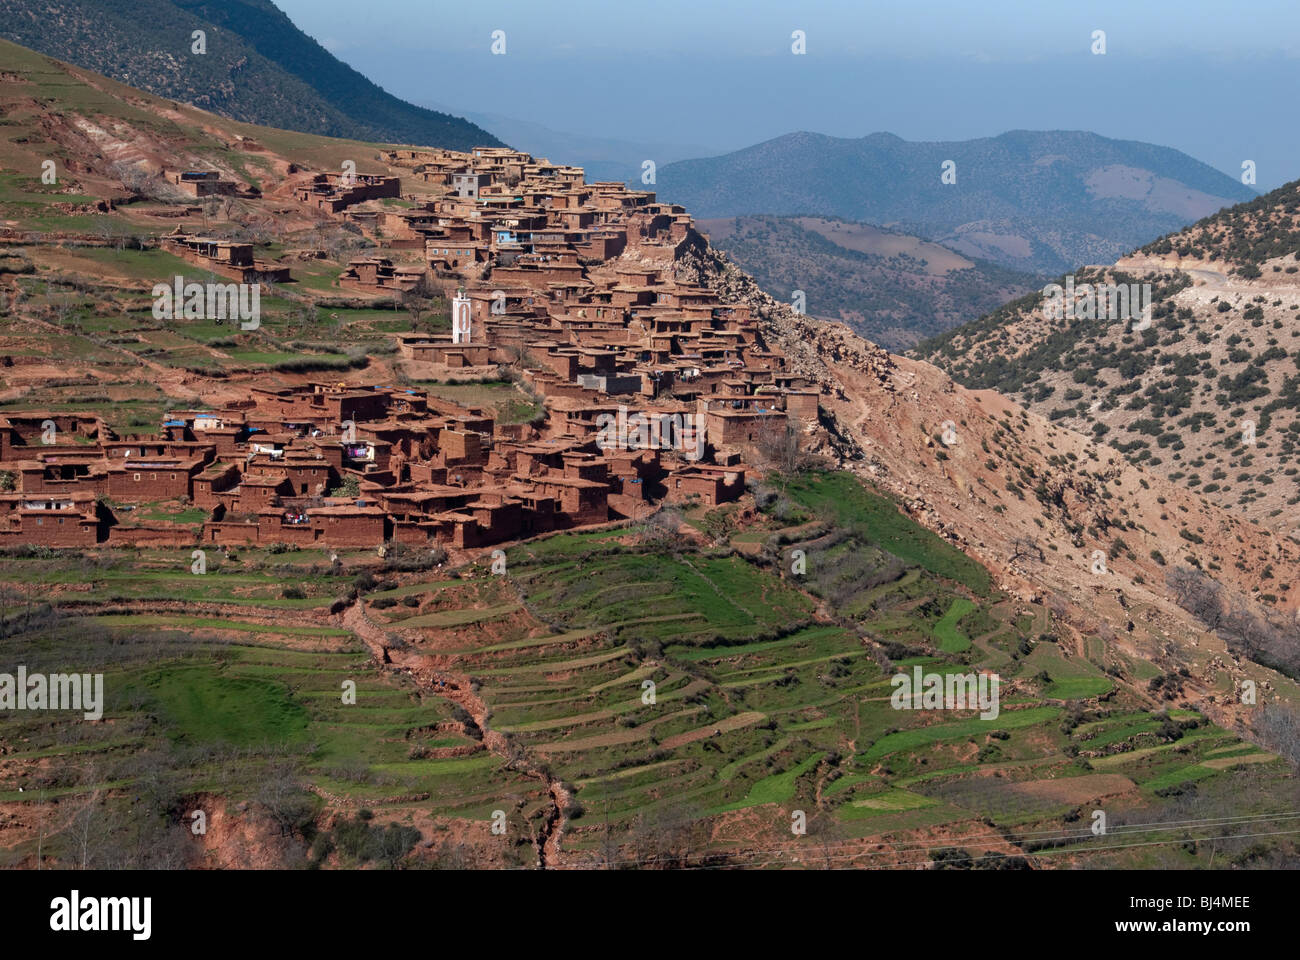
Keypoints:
pixel 519 527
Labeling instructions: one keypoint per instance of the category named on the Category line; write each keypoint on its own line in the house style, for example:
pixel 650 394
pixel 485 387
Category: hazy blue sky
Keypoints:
pixel 1219 81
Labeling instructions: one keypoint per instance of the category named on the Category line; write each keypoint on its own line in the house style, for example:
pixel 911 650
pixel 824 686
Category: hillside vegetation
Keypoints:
pixel 1208 395
pixel 258 67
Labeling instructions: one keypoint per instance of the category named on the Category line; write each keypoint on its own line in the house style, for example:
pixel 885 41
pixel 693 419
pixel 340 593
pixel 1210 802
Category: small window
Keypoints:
pixel 137 478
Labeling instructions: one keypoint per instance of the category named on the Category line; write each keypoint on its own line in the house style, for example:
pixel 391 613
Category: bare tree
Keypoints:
pixel 829 835
pixel 415 304
pixel 1026 548
pixel 779 443
pixel 1277 725
pixel 62 303
pixel 1197 593
pixel 83 820
pixel 662 529
pixel 209 208
pixel 668 838
pixel 284 799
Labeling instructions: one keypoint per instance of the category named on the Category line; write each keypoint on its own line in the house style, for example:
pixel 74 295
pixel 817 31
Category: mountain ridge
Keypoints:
pixel 258 66
pixel 1033 200
pixel 890 287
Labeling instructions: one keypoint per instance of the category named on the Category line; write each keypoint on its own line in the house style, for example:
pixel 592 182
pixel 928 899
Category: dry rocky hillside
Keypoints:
pixel 1034 501
pixel 1208 395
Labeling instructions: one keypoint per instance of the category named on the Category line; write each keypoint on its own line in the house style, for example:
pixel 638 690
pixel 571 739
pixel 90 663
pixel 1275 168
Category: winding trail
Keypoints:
pixel 456 688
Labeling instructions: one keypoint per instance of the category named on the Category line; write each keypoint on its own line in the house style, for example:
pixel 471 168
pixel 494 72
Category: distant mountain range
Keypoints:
pixel 1041 202
pixel 258 67
pixel 888 286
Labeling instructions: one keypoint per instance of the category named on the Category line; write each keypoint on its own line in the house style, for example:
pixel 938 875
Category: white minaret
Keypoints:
pixel 462 323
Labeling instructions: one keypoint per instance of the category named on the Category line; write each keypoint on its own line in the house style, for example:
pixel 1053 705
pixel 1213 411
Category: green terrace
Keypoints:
pixel 656 682
pixel 232 708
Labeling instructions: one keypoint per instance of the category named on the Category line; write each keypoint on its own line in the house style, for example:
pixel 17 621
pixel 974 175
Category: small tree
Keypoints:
pixel 349 486
pixel 1026 548
pixel 284 799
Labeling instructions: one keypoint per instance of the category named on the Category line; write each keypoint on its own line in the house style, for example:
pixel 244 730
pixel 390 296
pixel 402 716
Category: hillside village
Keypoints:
pixel 408 367
pixel 655 388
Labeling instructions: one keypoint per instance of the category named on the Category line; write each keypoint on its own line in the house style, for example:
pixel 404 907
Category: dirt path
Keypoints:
pixel 456 688
pixel 714 587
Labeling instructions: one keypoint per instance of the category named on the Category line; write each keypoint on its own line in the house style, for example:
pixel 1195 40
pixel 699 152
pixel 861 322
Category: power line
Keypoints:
pixel 1091 849
pixel 1039 837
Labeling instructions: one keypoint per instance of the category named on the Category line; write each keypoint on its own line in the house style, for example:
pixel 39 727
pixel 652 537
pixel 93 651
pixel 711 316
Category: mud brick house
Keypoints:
pixel 337 526
pixel 457 448
pixel 424 499
pixel 254 493
pixel 439 349
pixel 226 257
pixel 613 384
pixel 368 454
pixel 447 255
pixel 21 433
pixel 68 520
pixel 578 501
pixel 565 363
pixel 300 472
pixel 503 300
pixel 63 473
pixel 320 405
pixel 204 183
pixel 741 427
pixel 380 273
pixel 135 446
pixel 334 192
pixel 802 404
pixel 136 480
pixel 497 518
pixel 712 485
pixel 401 226
pixel 215 480
pixel 222 439
pixel 354 525
pixel 532 271
pixel 415 158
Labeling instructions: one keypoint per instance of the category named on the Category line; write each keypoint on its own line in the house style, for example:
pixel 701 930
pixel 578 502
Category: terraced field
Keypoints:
pixel 618 701
pixel 668 688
